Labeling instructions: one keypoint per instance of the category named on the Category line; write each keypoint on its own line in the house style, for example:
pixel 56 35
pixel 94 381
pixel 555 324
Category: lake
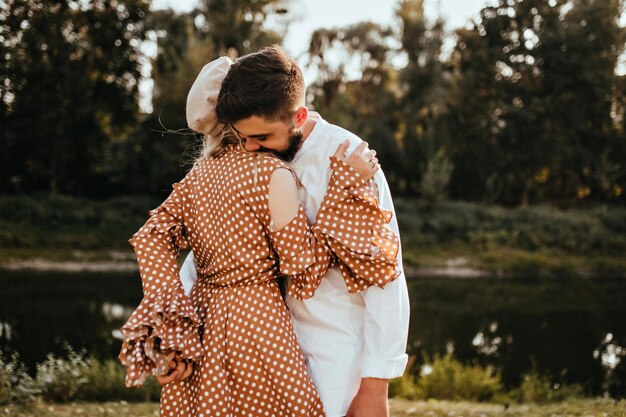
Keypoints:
pixel 571 329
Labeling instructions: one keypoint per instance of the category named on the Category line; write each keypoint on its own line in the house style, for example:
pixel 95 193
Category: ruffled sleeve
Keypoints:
pixel 303 256
pixel 356 229
pixel 165 319
pixel 350 228
pixel 298 254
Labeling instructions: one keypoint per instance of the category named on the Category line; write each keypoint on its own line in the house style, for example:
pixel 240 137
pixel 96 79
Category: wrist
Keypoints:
pixel 375 386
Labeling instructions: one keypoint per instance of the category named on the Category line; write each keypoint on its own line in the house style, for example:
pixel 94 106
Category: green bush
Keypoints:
pixel 598 230
pixel 539 389
pixel 16 386
pixel 53 221
pixel 404 387
pixel 105 382
pixel 445 378
pixel 76 377
pixel 60 379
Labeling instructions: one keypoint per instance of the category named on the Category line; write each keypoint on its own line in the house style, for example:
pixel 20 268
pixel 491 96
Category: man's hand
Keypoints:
pixel 371 399
pixel 179 370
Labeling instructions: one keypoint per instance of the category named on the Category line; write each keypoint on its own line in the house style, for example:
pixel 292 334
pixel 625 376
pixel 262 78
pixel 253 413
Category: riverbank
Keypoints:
pixel 398 408
pixel 454 239
pixel 418 262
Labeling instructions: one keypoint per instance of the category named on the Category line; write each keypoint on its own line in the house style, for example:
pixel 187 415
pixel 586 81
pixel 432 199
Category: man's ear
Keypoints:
pixel 300 116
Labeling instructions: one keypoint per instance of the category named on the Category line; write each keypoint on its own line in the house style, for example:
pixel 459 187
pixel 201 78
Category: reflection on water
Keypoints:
pixel 609 353
pixel 574 328
pixel 610 356
pixel 511 323
pixel 45 310
pixel 488 343
pixel 6 331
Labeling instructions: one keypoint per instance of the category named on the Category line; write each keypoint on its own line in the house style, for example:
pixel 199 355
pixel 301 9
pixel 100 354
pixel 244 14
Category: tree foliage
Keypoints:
pixel 72 73
pixel 526 106
pixel 537 86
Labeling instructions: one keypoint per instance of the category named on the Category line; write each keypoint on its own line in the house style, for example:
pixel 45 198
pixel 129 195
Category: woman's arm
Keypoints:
pixel 307 252
pixel 165 322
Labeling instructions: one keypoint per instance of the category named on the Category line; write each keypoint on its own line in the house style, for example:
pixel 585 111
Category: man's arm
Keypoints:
pixel 386 327
pixel 387 310
pixel 188 273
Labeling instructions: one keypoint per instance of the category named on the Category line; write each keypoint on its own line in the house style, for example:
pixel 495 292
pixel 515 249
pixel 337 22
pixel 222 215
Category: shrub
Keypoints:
pixel 536 228
pixel 105 382
pixel 404 387
pixel 16 386
pixel 60 379
pixel 539 389
pixel 445 378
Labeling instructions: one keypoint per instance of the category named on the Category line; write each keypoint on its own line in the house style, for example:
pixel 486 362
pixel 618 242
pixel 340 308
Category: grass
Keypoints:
pixel 398 407
pixel 583 408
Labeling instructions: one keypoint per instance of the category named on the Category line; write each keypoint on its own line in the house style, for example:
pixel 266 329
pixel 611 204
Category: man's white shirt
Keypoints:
pixel 344 337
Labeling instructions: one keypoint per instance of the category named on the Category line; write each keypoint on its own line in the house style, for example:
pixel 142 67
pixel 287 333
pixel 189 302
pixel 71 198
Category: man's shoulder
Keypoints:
pixel 334 135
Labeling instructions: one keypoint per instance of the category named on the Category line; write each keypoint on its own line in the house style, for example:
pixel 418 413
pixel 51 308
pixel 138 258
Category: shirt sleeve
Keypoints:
pixel 165 320
pixel 386 322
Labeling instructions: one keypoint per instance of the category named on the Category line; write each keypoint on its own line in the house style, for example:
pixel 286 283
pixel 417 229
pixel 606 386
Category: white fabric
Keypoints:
pixel 344 337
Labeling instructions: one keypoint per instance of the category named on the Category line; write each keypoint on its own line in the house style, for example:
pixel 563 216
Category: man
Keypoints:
pixel 353 342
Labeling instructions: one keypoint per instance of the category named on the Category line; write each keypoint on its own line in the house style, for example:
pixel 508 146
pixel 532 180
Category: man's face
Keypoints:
pixel 277 137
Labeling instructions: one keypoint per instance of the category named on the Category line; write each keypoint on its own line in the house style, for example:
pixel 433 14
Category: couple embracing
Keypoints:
pixel 278 195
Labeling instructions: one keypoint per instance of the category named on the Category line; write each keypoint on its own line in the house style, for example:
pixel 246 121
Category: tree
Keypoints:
pixel 582 91
pixel 424 89
pixel 532 116
pixel 163 149
pixel 239 27
pixel 70 92
pixel 360 93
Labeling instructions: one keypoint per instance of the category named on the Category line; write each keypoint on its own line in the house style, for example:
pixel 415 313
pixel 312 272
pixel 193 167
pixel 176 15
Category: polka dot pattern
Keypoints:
pixel 234 326
pixel 357 230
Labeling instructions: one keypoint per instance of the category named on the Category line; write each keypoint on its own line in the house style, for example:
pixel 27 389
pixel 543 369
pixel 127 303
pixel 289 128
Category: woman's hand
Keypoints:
pixel 362 160
pixel 179 369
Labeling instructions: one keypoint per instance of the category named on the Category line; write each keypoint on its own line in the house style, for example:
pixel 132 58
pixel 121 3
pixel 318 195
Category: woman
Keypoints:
pixel 240 214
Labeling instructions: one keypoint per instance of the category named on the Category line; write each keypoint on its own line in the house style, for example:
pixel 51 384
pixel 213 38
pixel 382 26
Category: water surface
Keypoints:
pixel 508 323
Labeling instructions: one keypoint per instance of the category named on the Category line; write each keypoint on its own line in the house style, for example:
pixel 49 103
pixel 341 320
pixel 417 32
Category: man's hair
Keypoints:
pixel 267 83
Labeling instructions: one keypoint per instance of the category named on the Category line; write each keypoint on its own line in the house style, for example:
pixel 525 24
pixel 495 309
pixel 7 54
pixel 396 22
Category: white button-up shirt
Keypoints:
pixel 344 337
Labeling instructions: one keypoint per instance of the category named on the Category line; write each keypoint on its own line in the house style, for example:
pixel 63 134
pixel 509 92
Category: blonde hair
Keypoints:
pixel 212 146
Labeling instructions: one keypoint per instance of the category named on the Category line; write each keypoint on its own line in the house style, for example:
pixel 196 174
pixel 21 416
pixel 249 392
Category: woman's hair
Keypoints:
pixel 213 146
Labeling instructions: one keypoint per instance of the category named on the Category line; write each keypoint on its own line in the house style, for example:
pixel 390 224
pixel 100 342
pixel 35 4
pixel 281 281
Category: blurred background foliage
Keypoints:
pixel 528 107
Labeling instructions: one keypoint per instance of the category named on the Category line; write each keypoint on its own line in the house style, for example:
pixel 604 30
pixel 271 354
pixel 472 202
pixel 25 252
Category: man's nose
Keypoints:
pixel 251 145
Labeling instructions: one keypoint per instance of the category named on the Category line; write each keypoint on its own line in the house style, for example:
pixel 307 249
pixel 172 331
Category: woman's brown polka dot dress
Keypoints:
pixel 234 325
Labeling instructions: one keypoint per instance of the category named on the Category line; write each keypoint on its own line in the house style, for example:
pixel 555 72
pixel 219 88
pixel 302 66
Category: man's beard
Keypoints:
pixel 295 143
